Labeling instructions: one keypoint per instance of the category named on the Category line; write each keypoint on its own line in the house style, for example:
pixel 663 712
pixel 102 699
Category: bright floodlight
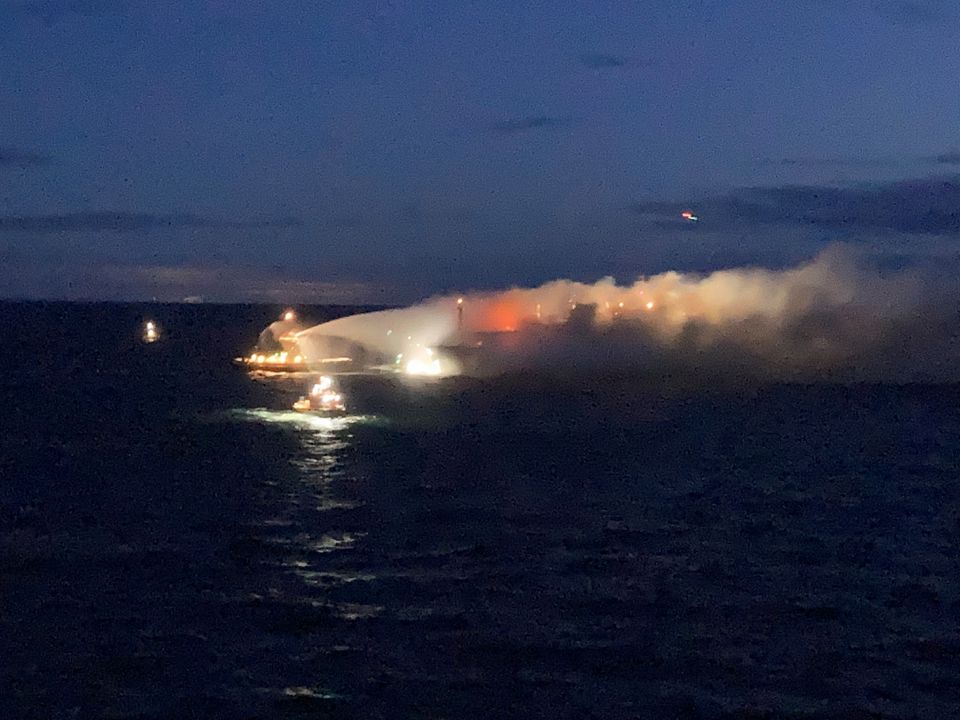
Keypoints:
pixel 289 315
pixel 650 305
pixel 150 332
pixel 423 367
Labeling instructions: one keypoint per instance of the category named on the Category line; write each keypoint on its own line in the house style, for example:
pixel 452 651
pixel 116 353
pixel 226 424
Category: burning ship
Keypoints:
pixel 440 337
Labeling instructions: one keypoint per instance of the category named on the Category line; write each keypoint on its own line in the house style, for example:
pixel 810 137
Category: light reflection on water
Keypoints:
pixel 322 440
pixel 320 693
pixel 327 425
pixel 311 543
pixel 330 578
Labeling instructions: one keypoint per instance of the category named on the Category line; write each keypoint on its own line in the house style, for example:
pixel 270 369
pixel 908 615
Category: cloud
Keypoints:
pixel 656 207
pixel 231 284
pixel 539 122
pixel 127 222
pixel 600 61
pixel 909 13
pixel 89 279
pixel 924 206
pixel 951 157
pixel 825 162
pixel 14 157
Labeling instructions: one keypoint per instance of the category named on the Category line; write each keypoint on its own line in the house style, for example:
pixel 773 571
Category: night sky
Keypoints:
pixel 377 151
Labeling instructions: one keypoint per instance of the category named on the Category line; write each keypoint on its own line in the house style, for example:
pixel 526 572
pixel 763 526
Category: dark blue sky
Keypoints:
pixel 384 151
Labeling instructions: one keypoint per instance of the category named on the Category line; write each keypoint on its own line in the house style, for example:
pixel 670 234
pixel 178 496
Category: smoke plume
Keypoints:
pixel 841 316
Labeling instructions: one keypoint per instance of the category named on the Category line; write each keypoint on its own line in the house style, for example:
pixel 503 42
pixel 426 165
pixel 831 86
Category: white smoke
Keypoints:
pixel 838 316
pixel 270 338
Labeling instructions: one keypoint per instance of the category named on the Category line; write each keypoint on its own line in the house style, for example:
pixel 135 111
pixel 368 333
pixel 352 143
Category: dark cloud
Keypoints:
pixel 53 11
pixel 925 206
pixel 227 283
pixel 825 162
pixel 126 222
pixel 948 158
pixel 539 122
pixel 216 282
pixel 910 13
pixel 600 61
pixel 951 157
pixel 656 208
pixel 20 158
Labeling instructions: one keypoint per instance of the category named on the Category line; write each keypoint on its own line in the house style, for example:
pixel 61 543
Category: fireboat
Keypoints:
pixel 323 398
pixel 278 350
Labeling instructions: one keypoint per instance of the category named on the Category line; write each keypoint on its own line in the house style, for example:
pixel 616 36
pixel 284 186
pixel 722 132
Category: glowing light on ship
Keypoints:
pixel 323 398
pixel 150 332
pixel 423 367
pixel 427 362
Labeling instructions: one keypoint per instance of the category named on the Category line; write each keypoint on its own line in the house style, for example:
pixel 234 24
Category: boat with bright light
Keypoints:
pixel 324 398
pixel 151 333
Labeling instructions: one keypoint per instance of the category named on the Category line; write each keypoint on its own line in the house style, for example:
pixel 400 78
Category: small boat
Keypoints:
pixel 150 332
pixel 323 398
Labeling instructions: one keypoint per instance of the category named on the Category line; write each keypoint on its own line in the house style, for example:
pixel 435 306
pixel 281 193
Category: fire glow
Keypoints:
pixel 833 314
pixel 280 358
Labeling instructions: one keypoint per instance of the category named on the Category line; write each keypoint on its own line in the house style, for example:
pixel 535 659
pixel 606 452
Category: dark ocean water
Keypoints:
pixel 175 544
